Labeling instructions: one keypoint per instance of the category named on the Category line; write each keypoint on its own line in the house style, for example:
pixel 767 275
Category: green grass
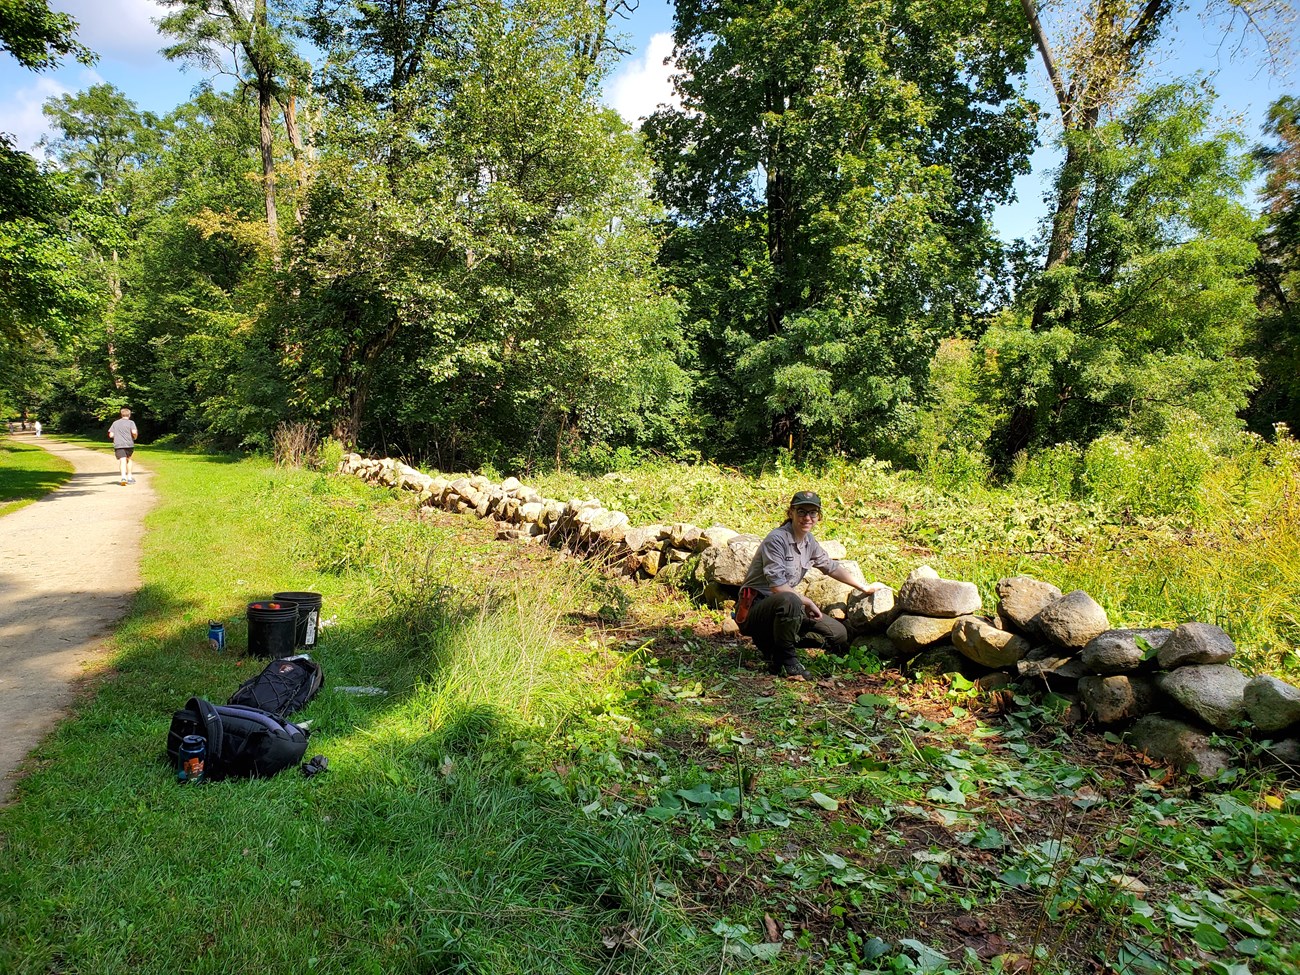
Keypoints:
pixel 576 774
pixel 28 473
pixel 428 846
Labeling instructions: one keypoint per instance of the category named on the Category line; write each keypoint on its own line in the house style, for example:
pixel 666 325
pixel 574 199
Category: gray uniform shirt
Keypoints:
pixel 780 562
pixel 123 431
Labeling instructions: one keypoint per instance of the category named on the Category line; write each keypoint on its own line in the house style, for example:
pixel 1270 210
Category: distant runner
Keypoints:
pixel 123 433
pixel 769 610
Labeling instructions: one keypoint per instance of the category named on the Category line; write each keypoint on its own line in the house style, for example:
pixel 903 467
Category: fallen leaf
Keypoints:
pixel 770 929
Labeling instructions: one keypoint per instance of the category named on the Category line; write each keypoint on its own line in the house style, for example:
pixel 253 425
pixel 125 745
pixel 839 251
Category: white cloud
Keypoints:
pixel 23 119
pixel 117 30
pixel 644 84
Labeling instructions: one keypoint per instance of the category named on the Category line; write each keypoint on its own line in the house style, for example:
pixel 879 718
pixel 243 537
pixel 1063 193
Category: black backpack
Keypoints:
pixel 283 687
pixel 242 742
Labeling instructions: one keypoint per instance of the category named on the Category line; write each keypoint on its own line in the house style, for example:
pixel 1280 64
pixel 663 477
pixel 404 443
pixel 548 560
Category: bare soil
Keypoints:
pixel 69 565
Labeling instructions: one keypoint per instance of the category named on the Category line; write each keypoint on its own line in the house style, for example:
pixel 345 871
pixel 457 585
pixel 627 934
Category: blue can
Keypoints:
pixel 191 759
pixel 217 636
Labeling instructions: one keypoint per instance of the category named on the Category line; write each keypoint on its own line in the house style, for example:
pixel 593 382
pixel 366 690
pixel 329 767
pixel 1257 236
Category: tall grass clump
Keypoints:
pixel 440 839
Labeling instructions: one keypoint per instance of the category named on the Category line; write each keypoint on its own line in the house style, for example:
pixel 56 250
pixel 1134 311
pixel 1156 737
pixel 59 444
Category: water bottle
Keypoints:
pixel 190 761
pixel 217 636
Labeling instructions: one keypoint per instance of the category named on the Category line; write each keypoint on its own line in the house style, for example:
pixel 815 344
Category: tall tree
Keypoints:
pixel 1096 64
pixel 1157 282
pixel 103 140
pixel 40 287
pixel 475 269
pixel 1276 342
pixel 38 37
pixel 832 168
pixel 243 38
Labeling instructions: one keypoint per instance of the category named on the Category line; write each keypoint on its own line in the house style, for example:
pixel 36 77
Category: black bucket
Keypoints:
pixel 308 616
pixel 271 625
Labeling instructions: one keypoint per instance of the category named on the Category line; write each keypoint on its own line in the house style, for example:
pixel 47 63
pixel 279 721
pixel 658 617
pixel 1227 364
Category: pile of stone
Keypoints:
pixel 582 527
pixel 1169 690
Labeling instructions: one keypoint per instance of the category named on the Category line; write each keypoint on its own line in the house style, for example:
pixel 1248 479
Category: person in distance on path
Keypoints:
pixel 769 610
pixel 123 433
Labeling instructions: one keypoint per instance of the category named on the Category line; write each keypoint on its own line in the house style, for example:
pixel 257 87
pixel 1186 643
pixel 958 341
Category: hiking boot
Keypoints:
pixel 794 670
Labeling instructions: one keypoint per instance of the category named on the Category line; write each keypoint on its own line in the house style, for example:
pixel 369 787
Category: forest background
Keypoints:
pixel 413 227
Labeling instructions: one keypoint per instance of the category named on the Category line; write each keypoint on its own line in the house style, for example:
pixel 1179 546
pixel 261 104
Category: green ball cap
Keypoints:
pixel 804 499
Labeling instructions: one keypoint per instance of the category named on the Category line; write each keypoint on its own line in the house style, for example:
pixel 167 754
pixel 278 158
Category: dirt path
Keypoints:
pixel 69 565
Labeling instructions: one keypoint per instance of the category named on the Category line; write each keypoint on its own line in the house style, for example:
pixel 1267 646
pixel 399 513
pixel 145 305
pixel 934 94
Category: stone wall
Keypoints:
pixel 1168 691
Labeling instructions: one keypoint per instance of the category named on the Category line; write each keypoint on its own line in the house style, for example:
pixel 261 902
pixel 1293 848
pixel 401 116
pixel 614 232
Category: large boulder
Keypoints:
pixel 986 644
pixel 1072 620
pixel 914 633
pixel 1196 643
pixel 1215 693
pixel 1272 704
pixel 1179 744
pixel 830 594
pixel 727 564
pixel 1116 698
pixel 1021 598
pixel 1119 651
pixel 944 598
pixel 870 612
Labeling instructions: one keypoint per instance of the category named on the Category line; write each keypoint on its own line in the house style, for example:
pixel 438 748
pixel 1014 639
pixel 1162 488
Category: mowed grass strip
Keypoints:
pixel 426 847
pixel 28 473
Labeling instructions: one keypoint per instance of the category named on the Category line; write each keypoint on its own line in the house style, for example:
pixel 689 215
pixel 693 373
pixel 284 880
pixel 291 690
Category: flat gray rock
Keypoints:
pixel 870 613
pixel 727 564
pixel 1196 643
pixel 1072 620
pixel 1272 704
pixel 1179 744
pixel 1215 693
pixel 944 598
pixel 1116 698
pixel 1021 598
pixel 1119 651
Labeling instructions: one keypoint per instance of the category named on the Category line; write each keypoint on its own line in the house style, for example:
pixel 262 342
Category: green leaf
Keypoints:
pixel 700 794
pixel 836 861
pixel 825 801
pixel 1209 937
pixel 927 959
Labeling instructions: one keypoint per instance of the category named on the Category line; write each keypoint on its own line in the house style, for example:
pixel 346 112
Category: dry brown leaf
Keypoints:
pixel 770 930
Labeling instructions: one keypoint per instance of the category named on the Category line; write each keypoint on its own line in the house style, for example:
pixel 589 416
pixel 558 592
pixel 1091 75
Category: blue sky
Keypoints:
pixel 121 32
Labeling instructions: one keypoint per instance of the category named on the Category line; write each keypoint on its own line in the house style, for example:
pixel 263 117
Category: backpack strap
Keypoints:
pixel 212 729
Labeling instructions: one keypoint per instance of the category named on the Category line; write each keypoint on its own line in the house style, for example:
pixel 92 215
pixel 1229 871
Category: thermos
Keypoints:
pixel 190 761
pixel 217 635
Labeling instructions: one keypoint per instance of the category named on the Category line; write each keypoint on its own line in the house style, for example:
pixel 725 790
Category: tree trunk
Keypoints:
pixel 268 163
pixel 291 129
pixel 115 289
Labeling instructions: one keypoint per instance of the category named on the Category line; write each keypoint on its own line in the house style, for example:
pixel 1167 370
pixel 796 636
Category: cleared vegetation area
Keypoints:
pixel 571 773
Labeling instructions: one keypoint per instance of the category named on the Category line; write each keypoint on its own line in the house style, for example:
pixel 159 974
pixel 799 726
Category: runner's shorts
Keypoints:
pixel 120 452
